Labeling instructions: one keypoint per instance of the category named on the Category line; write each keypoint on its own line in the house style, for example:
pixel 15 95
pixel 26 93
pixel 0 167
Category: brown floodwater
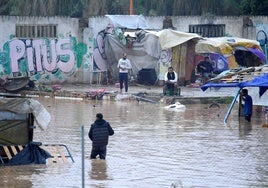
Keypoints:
pixel 151 147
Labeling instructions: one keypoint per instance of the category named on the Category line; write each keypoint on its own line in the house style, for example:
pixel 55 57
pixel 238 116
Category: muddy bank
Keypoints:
pixel 110 92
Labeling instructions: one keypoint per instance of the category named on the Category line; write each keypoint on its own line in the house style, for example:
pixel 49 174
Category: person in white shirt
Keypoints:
pixel 171 79
pixel 124 65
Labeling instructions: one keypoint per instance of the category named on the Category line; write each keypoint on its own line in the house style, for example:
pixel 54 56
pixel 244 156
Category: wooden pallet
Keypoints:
pixel 10 151
pixel 59 152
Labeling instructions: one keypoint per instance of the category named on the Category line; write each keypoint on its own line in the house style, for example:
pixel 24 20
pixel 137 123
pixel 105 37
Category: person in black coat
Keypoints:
pixel 206 69
pixel 99 134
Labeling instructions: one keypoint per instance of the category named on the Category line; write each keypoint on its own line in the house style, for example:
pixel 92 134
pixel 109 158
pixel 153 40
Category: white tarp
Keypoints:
pixel 24 106
pixel 169 38
pixel 128 21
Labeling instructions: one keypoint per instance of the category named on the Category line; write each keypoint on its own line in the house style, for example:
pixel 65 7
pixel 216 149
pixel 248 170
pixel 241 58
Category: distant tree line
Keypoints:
pixel 86 8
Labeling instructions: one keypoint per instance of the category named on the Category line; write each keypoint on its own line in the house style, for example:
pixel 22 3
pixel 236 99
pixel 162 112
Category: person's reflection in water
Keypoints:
pixel 98 169
pixel 244 128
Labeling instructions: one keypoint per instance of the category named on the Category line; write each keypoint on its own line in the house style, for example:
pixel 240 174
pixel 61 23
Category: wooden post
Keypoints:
pixel 130 7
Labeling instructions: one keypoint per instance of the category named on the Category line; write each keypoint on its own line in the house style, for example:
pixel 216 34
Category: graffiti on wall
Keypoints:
pixel 88 63
pixel 261 36
pixel 164 62
pixel 99 56
pixel 41 57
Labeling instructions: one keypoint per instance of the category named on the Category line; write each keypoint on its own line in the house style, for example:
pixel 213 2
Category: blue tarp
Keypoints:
pixel 261 82
pixel 213 84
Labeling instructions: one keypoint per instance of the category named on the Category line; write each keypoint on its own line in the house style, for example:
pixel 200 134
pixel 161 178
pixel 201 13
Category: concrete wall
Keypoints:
pixel 66 25
pixel 237 26
pixel 234 25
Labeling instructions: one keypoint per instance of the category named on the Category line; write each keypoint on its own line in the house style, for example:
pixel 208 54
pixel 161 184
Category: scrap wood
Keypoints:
pixel 250 69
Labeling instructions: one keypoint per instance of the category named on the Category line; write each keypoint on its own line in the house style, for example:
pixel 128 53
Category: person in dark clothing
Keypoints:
pixel 205 68
pixel 247 104
pixel 99 134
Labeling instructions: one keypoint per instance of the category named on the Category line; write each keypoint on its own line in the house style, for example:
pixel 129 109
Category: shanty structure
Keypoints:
pixel 250 78
pixel 18 119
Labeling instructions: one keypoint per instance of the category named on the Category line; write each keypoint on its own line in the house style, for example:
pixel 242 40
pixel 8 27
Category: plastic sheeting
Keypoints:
pixel 31 154
pixel 129 21
pixel 169 38
pixel 213 45
pixel 24 106
pixel 261 82
pixel 227 45
pixel 259 96
pixel 142 54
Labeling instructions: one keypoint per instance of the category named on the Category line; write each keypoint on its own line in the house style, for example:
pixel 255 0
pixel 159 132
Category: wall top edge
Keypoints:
pixel 65 17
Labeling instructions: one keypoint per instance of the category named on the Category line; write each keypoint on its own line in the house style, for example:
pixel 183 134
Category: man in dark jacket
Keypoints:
pixel 206 69
pixel 99 133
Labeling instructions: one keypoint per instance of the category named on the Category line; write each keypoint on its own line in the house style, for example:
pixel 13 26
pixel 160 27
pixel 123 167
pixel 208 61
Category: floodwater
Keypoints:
pixel 152 147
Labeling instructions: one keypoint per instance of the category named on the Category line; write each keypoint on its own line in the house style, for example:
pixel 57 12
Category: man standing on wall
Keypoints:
pixel 124 65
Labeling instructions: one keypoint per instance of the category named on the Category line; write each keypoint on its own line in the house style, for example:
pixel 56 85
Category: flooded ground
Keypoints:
pixel 152 147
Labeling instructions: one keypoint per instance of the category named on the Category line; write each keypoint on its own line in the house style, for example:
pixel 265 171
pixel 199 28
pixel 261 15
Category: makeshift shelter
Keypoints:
pixel 238 51
pixel 145 49
pixel 169 38
pixel 178 51
pixel 261 82
pixel 18 119
pixel 259 96
pixel 140 53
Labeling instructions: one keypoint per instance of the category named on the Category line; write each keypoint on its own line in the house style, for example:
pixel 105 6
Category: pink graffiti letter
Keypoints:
pixel 29 51
pixel 63 49
pixel 50 64
pixel 17 50
pixel 37 45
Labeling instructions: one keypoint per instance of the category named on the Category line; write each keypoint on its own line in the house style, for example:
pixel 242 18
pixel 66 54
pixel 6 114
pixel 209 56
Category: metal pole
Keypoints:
pixel 83 157
pixel 231 106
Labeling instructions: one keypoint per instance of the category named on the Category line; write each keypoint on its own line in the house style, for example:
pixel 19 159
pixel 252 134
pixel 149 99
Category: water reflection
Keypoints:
pixel 245 127
pixel 98 169
pixel 9 176
pixel 153 147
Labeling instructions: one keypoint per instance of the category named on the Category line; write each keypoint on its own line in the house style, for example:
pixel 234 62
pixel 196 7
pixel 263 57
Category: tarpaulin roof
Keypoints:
pixel 213 84
pixel 129 21
pixel 169 38
pixel 227 45
pixel 213 45
pixel 261 82
pixel 258 53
